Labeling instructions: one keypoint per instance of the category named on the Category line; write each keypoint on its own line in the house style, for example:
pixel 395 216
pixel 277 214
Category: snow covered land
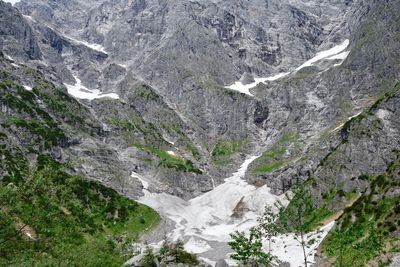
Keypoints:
pixel 79 91
pixel 205 222
pixel 334 53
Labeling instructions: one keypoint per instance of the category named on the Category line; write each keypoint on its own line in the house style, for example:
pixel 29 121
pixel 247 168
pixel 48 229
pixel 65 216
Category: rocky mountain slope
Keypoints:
pixel 143 88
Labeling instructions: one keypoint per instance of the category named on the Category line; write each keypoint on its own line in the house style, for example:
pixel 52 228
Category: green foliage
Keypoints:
pixel 174 250
pixel 249 250
pixel 297 216
pixel 170 161
pixel 60 103
pixel 273 159
pixel 149 260
pixel 146 93
pixel 364 230
pixel 71 221
pixel 223 150
pixel 269 167
pixel 314 219
pixel 181 256
pixel 135 124
pixel 50 135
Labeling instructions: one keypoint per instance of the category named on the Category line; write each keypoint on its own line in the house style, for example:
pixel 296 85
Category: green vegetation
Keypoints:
pixel 60 103
pixel 314 220
pixel 51 136
pixel 305 73
pixel 47 216
pixel 249 250
pixel 272 160
pixel 301 216
pixel 51 218
pixel 269 167
pixel 172 252
pixel 146 92
pixel 30 119
pixel 169 160
pixel 137 129
pixel 223 151
pixel 365 230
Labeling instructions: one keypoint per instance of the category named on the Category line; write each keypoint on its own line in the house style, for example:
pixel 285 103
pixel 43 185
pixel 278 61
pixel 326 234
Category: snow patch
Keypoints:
pixel 197 246
pixel 12 1
pixel 382 114
pixel 145 184
pixel 28 88
pixel 245 88
pixel 331 54
pixel 341 56
pixel 172 153
pixel 96 47
pixel 8 57
pixel 327 54
pixel 81 92
pixel 28 17
pixel 206 221
pixel 287 248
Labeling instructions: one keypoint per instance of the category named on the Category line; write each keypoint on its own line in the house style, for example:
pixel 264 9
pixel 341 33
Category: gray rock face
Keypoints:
pixel 18 40
pixel 169 61
pixel 314 102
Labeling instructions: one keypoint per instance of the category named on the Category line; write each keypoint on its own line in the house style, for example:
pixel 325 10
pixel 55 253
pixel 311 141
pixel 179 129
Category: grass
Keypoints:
pixel 278 152
pixel 272 160
pixel 170 161
pixel 269 167
pixel 224 149
pixel 314 220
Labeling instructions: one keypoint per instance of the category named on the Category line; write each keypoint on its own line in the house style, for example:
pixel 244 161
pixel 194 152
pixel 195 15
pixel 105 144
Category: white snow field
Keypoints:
pixel 205 222
pixel 12 1
pixel 28 88
pixel 81 92
pixel 96 47
pixel 327 54
pixel 335 52
pixel 245 88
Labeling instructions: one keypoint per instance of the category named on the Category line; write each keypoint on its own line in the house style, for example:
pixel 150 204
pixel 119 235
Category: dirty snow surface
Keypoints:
pixel 205 222
pixel 78 90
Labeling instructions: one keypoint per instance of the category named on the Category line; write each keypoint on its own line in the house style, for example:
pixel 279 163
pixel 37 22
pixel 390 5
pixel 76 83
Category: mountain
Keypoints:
pixel 162 100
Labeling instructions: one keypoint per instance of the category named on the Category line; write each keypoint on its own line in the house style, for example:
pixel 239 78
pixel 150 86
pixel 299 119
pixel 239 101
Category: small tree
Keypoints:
pixel 149 259
pixel 293 218
pixel 268 225
pixel 249 250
